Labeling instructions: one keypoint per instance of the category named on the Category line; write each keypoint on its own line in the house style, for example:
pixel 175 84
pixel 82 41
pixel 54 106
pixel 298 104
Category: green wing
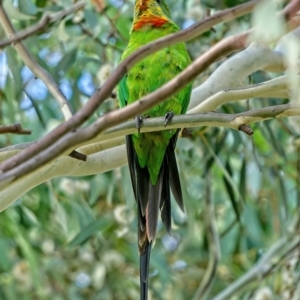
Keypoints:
pixel 123 93
pixel 186 100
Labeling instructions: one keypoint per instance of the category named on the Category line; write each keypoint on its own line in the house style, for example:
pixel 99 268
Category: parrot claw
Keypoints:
pixel 168 117
pixel 139 122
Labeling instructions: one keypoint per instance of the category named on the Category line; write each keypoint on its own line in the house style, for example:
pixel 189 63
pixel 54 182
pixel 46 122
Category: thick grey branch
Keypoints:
pixel 109 158
pixel 82 136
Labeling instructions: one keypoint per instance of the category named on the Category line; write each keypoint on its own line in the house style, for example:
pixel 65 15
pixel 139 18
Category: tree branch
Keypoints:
pixel 36 69
pixel 80 137
pixel 291 9
pixel 264 266
pixel 65 166
pixel 46 19
pixel 14 128
pixel 234 72
pixel 140 106
pixel 270 88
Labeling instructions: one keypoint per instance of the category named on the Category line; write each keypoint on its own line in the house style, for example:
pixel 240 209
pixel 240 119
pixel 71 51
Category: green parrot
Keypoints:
pixel 151 157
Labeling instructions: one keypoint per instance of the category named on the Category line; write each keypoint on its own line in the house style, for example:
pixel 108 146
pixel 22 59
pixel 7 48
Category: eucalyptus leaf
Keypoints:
pixel 27 7
pixel 14 13
pixel 88 231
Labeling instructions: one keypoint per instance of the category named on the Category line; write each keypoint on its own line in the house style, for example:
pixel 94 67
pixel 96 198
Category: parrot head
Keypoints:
pixel 151 12
pixel 157 7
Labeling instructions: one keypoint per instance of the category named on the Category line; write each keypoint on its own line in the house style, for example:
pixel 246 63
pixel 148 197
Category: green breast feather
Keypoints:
pixel 145 77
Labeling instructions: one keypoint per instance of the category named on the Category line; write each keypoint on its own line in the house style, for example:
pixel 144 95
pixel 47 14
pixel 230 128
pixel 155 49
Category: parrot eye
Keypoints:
pixel 158 1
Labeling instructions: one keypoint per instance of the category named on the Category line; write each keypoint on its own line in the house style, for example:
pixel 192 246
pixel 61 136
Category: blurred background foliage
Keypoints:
pixel 75 238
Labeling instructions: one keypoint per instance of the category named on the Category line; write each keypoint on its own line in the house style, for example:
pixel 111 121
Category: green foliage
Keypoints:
pixel 75 238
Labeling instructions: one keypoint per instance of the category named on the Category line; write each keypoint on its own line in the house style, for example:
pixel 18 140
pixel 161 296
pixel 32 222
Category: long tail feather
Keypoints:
pixel 150 199
pixel 154 199
pixel 165 202
pixel 174 176
pixel 144 271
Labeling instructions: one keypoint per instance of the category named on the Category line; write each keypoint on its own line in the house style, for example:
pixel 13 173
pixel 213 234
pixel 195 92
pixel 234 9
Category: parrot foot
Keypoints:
pixel 168 117
pixel 139 122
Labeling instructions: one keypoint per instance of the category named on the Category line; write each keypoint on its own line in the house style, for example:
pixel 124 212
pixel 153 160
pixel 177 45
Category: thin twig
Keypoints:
pixel 214 244
pixel 35 106
pixel 36 69
pixel 14 128
pixel 264 266
pixel 78 155
pixel 98 40
pixel 46 19
pixel 228 228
